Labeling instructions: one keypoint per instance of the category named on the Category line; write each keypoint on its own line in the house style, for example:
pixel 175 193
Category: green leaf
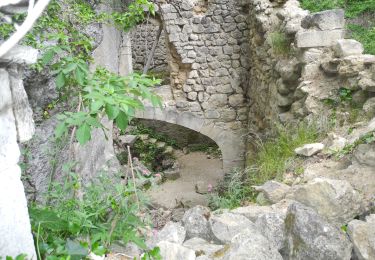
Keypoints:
pixel 96 105
pixel 47 57
pixel 70 67
pixel 98 249
pixel 48 219
pixel 74 228
pixel 80 76
pixel 93 122
pixel 83 134
pixel 130 235
pixel 75 250
pixel 60 80
pixel 122 121
pixel 112 111
pixel 60 129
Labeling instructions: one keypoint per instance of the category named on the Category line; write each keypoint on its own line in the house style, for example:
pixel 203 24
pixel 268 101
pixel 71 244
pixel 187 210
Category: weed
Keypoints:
pixel 365 35
pixel 69 226
pixel 275 155
pixel 273 158
pixel 280 43
pixel 211 149
pixel 345 95
pixel 143 130
pixel 231 192
pixel 348 149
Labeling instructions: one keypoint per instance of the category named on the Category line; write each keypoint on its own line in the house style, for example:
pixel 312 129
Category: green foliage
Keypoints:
pixel 103 93
pixel 19 257
pixel 272 159
pixel 231 192
pixel 149 154
pixel 133 16
pixel 6 30
pixel 70 228
pixel 140 129
pixel 353 8
pixel 280 43
pixel 348 149
pixel 345 95
pixel 100 92
pixel 364 35
pixel 321 5
pixel 275 155
pixel 211 149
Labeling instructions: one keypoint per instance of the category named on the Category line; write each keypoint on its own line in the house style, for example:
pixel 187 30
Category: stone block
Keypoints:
pixel 313 39
pixel 347 47
pixel 128 139
pixel 326 20
pixel 21 55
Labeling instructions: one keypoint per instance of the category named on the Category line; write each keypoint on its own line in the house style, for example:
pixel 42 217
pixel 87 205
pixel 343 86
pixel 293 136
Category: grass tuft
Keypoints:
pixel 274 157
pixel 280 43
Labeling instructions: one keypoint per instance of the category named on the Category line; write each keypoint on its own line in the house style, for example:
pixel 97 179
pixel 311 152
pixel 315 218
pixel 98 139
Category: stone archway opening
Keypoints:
pixel 191 163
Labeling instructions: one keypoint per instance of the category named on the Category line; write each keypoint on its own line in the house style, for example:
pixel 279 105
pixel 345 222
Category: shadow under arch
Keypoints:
pixel 231 144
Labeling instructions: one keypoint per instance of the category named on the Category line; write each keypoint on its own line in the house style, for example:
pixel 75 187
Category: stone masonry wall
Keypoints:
pixel 317 64
pixel 208 59
pixel 143 37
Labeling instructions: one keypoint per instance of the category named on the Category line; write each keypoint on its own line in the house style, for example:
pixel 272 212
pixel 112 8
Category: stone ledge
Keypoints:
pixel 313 39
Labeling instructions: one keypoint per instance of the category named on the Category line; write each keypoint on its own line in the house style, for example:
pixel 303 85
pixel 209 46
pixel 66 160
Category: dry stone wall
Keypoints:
pixel 143 37
pixel 317 62
pixel 243 65
pixel 207 53
pixel 208 59
pixel 208 62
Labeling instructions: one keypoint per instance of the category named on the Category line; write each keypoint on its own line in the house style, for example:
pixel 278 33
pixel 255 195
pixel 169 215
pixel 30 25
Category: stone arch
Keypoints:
pixel 231 143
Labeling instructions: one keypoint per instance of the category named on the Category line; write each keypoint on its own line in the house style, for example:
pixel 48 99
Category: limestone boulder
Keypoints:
pixel 227 225
pixel 309 149
pixel 310 236
pixel 365 155
pixel 335 142
pixel 252 212
pixel 353 65
pixel 21 55
pixel 362 234
pixel 271 226
pixel 326 20
pixel 195 221
pixel 250 245
pixel 202 247
pixel 173 251
pixel 172 232
pixel 347 47
pixel 369 107
pixel 273 191
pixel 336 200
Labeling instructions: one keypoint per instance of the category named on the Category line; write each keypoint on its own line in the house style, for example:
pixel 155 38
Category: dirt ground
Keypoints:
pixel 195 167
